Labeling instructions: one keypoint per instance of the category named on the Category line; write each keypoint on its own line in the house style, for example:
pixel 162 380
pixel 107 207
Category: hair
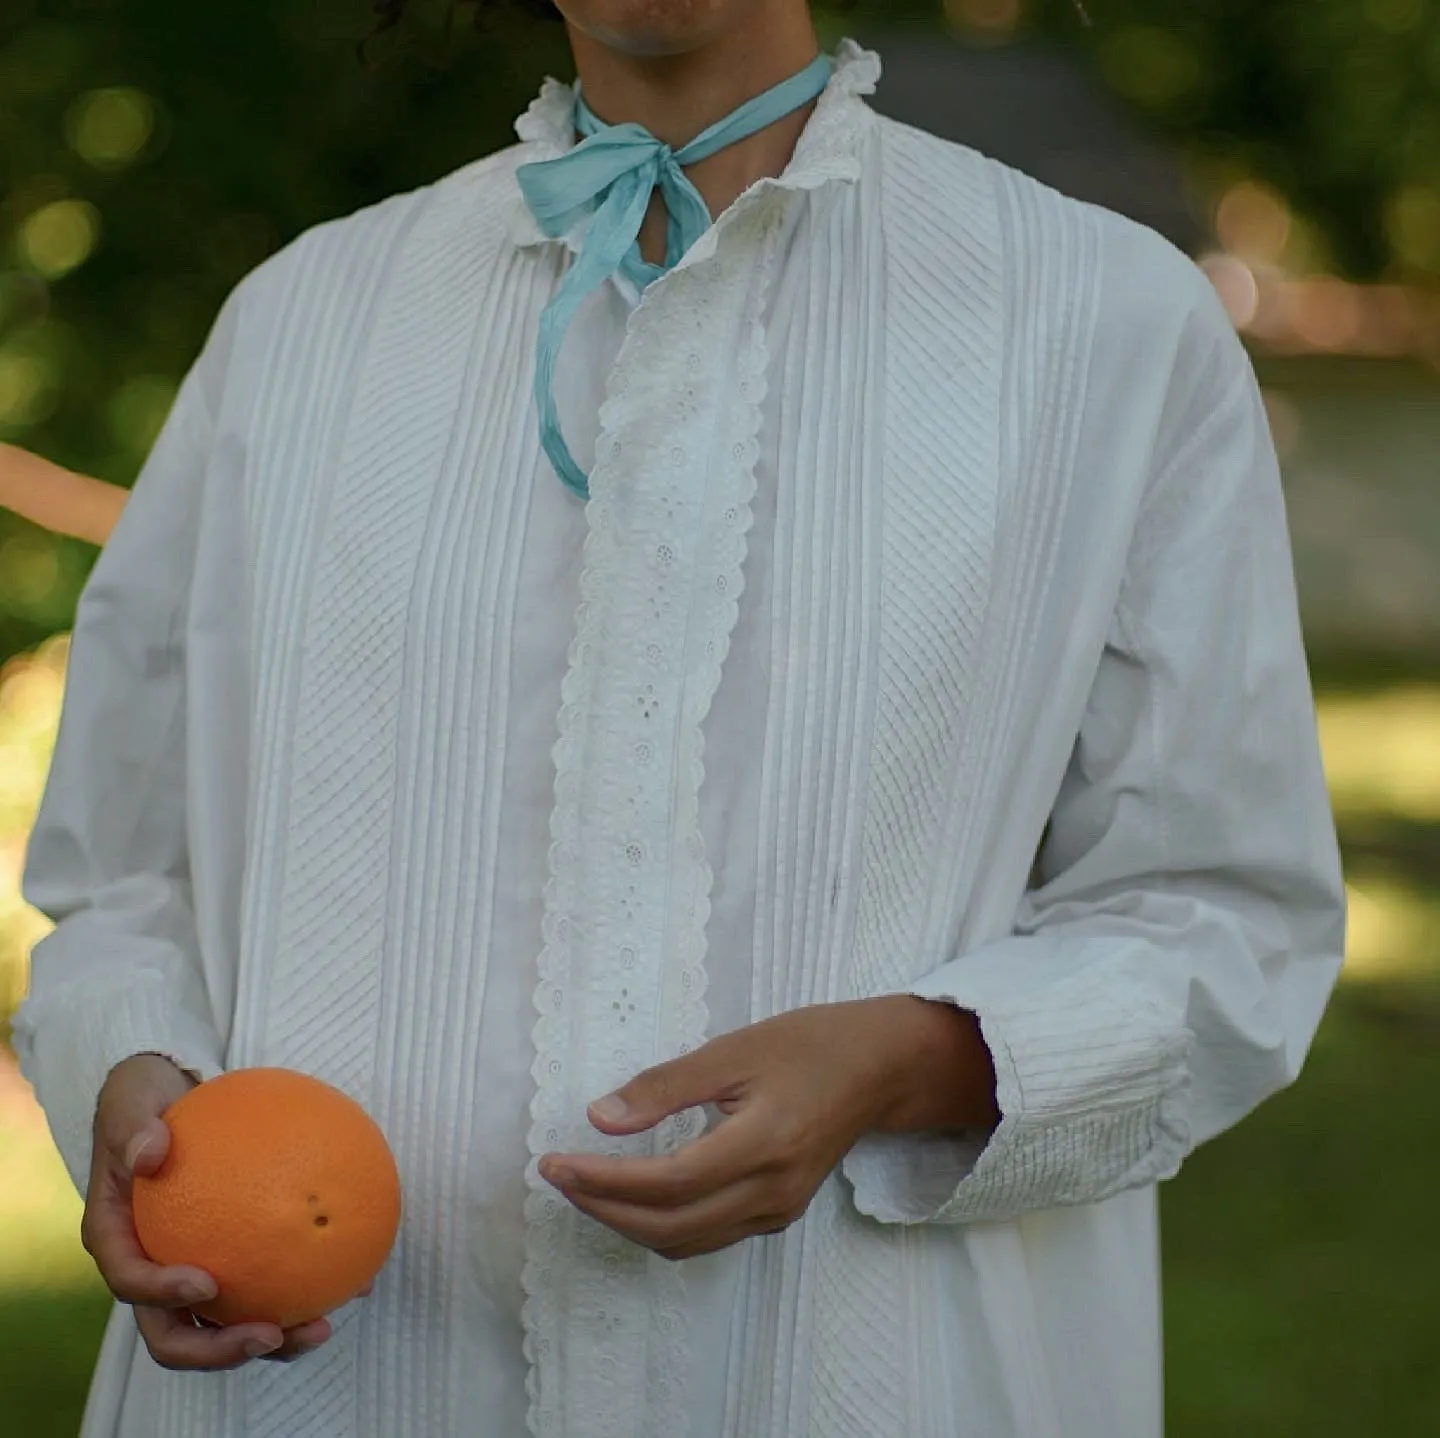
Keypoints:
pixel 389 13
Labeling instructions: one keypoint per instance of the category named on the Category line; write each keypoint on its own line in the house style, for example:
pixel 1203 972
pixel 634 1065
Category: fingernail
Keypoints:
pixel 259 1347
pixel 612 1108
pixel 194 1291
pixel 561 1176
pixel 136 1147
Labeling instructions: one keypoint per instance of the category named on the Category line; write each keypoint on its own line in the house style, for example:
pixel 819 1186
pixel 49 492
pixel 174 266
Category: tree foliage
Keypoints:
pixel 153 151
pixel 1335 103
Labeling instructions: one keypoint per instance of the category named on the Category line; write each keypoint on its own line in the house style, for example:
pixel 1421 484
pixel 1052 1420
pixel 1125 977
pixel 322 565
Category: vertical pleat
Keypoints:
pixel 385 602
pixel 825 635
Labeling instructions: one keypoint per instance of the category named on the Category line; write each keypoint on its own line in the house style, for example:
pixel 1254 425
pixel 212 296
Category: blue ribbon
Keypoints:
pixel 610 176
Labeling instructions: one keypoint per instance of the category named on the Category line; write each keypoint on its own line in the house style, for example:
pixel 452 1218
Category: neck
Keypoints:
pixel 676 97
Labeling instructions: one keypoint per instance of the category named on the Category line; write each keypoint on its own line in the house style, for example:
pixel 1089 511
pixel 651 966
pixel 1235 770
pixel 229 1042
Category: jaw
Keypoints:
pixel 664 29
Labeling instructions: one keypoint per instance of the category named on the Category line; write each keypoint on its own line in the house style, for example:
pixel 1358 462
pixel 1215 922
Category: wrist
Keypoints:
pixel 941 1074
pixel 156 1067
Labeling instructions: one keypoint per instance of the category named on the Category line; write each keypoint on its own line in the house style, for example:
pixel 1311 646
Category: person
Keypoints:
pixel 732 672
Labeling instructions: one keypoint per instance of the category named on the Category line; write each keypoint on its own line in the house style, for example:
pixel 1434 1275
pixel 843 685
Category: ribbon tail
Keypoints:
pixel 612 233
pixel 689 215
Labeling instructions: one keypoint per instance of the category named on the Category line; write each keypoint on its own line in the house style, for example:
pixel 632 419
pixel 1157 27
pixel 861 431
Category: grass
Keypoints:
pixel 48 1342
pixel 1302 1274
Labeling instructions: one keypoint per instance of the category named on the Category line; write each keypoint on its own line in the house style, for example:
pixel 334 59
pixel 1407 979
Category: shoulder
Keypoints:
pixel 342 258
pixel 325 287
pixel 1123 284
pixel 310 306
pixel 1103 341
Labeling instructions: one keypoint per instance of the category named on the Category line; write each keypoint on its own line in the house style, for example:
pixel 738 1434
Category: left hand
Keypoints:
pixel 798 1090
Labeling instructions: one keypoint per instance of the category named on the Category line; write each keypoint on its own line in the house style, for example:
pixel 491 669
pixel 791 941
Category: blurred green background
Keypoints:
pixel 152 152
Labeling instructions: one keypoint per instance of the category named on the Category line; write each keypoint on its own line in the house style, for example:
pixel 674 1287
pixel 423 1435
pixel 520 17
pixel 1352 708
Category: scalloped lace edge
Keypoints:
pixel 554 1239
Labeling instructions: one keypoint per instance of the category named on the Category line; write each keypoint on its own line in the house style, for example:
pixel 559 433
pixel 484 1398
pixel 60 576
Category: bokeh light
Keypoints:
pixel 1237 286
pixel 30 693
pixel 1254 222
pixel 993 17
pixel 138 409
pixel 60 237
pixel 1395 17
pixel 26 389
pixel 110 128
pixel 1152 66
pixel 1391 922
pixel 29 570
pixel 1413 224
pixel 1383 754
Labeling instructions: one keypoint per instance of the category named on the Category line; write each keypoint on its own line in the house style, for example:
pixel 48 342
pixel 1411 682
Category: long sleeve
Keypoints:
pixel 1173 958
pixel 108 859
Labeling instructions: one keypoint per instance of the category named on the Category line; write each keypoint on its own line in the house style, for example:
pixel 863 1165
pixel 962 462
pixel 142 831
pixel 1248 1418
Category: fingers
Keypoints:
pixel 714 1073
pixel 742 1179
pixel 715 1223
pixel 146 1147
pixel 175 1341
pixel 128 1126
pixel 131 1137
pixel 178 1341
pixel 719 1159
pixel 706 1196
pixel 108 1233
pixel 300 1341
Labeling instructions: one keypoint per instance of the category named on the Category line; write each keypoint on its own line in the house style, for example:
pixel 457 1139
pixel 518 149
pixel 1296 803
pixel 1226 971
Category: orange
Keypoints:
pixel 280 1187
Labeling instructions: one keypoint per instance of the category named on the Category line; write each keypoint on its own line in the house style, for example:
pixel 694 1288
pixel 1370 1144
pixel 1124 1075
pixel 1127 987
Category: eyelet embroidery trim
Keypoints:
pixel 621 973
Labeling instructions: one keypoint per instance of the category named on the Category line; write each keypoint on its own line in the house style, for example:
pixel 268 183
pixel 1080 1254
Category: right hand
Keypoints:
pixel 130 1138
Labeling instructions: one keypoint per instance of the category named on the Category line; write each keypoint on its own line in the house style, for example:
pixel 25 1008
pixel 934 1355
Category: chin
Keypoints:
pixel 658 27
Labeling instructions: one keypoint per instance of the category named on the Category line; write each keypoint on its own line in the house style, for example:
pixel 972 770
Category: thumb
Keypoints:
pixel 145 1149
pixel 129 1119
pixel 704 1076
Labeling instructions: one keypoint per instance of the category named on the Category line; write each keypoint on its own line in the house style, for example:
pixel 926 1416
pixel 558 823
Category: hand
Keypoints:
pixel 130 1138
pixel 798 1090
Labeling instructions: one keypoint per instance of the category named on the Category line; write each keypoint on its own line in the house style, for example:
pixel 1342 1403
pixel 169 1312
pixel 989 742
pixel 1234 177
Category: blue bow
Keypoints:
pixel 610 176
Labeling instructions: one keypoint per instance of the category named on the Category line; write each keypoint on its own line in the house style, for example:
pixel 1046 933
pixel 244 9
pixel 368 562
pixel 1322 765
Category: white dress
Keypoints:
pixel 931 629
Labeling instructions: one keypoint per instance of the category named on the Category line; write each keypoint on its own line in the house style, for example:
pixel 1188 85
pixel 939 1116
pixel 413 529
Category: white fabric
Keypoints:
pixel 996 476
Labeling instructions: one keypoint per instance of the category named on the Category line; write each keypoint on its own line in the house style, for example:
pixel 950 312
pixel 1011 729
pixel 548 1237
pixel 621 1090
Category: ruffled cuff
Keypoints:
pixel 1092 1093
pixel 67 1054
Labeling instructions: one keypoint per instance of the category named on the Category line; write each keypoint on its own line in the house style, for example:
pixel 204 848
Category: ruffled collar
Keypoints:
pixel 828 151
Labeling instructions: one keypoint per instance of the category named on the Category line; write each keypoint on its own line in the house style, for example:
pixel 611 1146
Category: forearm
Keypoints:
pixel 942 1073
pixel 58 499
